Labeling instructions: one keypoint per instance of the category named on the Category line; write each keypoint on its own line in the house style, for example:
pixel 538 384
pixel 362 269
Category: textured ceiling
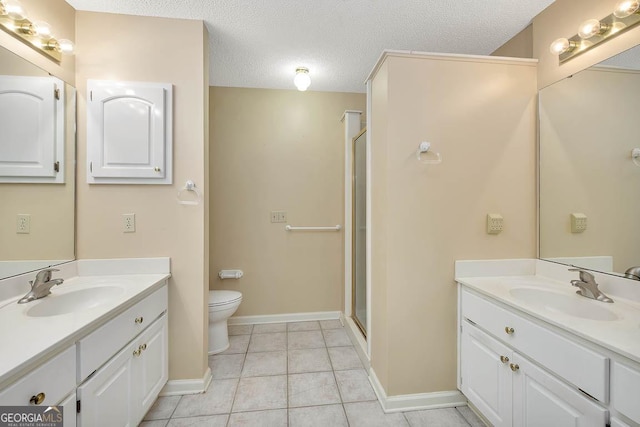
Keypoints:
pixel 259 43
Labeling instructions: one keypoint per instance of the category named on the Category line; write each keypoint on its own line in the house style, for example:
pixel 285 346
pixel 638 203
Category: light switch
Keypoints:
pixel 495 223
pixel 578 222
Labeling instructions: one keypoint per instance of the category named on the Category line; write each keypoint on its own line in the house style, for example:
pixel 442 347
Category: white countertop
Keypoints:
pixel 26 339
pixel 620 335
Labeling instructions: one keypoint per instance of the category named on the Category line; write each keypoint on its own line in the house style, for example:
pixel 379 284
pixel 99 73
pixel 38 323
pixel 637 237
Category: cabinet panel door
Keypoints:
pixel 107 398
pixel 151 366
pixel 625 390
pixel 69 410
pixel 486 378
pixel 28 140
pixel 541 400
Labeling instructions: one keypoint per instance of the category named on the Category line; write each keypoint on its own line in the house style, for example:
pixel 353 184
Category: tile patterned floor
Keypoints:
pixel 302 374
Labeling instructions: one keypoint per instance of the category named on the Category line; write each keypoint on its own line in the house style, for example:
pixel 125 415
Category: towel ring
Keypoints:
pixel 424 148
pixel 189 186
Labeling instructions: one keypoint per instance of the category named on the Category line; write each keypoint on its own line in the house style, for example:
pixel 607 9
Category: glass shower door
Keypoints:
pixel 359 281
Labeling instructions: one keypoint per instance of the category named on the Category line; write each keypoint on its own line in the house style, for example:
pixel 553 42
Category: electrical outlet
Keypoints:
pixel 128 223
pixel 23 224
pixel 578 222
pixel 495 223
pixel 278 216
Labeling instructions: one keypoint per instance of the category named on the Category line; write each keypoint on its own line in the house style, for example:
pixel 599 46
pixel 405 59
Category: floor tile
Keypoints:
pixel 331 324
pixel 237 344
pixel 273 418
pixel 259 393
pixel 156 423
pixel 305 339
pixel 470 416
pixel 217 400
pixel 265 363
pixel 317 388
pixel 268 342
pixel 354 386
pixel 336 338
pixel 240 329
pixel 318 416
pixel 447 417
pixel 303 326
pixel 370 414
pixel 268 328
pixel 162 408
pixel 211 421
pixel 309 360
pixel 344 358
pixel 225 366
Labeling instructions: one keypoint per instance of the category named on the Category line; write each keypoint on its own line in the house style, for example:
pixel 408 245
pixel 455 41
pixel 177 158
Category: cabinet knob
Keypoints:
pixel 514 367
pixel 509 330
pixel 137 352
pixel 139 319
pixel 504 359
pixel 143 347
pixel 37 399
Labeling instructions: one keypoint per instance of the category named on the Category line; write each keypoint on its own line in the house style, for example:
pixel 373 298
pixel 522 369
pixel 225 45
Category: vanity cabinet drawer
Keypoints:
pixel 95 349
pixel 54 379
pixel 587 370
pixel 625 390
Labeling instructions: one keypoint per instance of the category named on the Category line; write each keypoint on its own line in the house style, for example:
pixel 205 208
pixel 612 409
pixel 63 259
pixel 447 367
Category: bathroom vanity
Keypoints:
pixel 97 346
pixel 533 353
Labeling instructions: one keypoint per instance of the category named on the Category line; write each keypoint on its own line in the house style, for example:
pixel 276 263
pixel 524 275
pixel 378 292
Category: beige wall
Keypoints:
pixel 132 48
pixel 480 115
pixel 520 46
pixel 586 166
pixel 61 16
pixel 562 19
pixel 278 150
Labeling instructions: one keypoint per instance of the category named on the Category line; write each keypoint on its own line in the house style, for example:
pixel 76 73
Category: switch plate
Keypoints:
pixel 278 216
pixel 23 224
pixel 495 223
pixel 128 223
pixel 578 222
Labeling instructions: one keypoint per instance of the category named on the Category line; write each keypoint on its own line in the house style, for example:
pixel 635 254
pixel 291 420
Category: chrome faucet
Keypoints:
pixel 41 287
pixel 587 286
pixel 632 273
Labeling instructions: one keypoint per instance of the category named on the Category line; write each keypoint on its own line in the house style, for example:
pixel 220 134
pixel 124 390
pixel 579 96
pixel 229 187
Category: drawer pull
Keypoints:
pixel 139 320
pixel 514 367
pixel 143 347
pixel 504 359
pixel 509 330
pixel 37 399
pixel 137 352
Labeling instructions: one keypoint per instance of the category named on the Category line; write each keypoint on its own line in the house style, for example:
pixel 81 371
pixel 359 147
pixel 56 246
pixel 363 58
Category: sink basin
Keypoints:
pixel 576 306
pixel 82 299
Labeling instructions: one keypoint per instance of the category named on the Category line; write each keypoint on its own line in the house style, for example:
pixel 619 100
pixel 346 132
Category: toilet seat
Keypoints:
pixel 218 298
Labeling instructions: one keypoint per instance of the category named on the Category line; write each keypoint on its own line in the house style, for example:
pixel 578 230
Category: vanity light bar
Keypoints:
pixel 593 32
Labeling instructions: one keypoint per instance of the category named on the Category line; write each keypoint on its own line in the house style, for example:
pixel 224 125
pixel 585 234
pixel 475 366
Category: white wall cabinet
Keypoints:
pixel 32 123
pixel 129 132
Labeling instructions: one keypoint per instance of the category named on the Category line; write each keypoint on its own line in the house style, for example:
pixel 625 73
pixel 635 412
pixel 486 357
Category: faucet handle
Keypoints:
pixel 44 275
pixel 585 276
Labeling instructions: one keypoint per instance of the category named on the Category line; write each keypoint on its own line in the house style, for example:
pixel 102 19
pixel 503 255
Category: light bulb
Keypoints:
pixel 590 28
pixel 42 29
pixel 302 79
pixel 626 8
pixel 66 46
pixel 561 45
pixel 14 10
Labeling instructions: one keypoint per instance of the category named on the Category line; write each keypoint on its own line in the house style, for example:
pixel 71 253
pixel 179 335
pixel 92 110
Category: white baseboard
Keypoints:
pixel 359 343
pixel 180 387
pixel 415 402
pixel 282 318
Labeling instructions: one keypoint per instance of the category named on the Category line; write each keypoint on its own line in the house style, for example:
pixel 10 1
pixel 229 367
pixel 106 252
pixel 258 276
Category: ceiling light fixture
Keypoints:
pixel 37 34
pixel 302 80
pixel 595 31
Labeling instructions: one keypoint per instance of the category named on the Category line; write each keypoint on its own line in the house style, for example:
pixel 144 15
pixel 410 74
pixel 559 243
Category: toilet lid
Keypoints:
pixel 223 297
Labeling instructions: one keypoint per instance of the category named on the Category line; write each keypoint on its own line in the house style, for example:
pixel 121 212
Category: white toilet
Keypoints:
pixel 222 304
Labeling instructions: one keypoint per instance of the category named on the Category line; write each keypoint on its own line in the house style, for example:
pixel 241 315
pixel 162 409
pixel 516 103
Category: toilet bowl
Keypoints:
pixel 222 304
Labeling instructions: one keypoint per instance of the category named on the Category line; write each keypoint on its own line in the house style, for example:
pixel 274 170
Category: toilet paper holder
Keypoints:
pixel 230 274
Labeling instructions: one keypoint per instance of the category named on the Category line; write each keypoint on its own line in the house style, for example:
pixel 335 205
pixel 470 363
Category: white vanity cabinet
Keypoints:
pixel 511 386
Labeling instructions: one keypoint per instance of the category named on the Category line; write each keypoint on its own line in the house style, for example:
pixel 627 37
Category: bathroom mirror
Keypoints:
pixel 37 220
pixel 589 173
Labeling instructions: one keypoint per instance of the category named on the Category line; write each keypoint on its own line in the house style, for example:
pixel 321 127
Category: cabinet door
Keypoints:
pixel 107 398
pixel 486 377
pixel 129 132
pixel 69 410
pixel 541 400
pixel 151 367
